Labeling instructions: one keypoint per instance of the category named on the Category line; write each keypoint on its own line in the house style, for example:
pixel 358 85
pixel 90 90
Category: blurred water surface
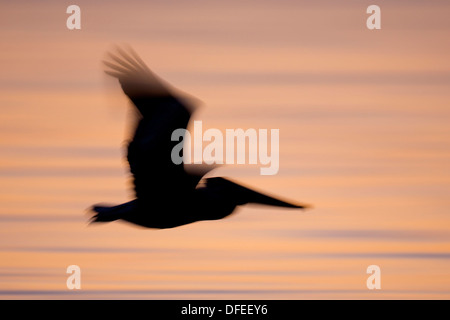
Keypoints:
pixel 364 136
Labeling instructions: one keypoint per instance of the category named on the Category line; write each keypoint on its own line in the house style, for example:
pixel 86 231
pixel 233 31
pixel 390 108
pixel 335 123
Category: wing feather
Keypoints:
pixel 162 111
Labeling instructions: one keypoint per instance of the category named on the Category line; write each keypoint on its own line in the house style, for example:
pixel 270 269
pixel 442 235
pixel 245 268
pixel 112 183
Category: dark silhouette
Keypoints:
pixel 167 195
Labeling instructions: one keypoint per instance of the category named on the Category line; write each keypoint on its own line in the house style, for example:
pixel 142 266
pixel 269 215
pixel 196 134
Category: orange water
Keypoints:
pixel 364 137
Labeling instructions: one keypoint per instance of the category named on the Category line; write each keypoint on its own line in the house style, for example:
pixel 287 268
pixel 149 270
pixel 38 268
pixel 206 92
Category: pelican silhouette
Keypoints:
pixel 167 195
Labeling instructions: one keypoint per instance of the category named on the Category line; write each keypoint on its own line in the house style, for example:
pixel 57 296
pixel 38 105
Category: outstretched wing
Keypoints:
pixel 162 112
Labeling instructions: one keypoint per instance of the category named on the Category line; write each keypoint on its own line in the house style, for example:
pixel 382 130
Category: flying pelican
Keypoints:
pixel 167 195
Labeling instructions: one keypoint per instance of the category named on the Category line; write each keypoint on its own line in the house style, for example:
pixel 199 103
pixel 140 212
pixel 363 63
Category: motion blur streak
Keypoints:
pixel 364 136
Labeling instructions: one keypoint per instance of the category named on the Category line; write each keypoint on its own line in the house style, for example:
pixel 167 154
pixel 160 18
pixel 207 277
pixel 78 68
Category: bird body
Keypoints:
pixel 167 195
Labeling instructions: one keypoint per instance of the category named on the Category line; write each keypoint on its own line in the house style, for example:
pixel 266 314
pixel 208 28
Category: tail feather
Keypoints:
pixel 104 213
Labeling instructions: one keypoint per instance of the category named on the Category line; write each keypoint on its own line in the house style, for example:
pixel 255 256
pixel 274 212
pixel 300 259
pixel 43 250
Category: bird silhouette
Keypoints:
pixel 167 195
